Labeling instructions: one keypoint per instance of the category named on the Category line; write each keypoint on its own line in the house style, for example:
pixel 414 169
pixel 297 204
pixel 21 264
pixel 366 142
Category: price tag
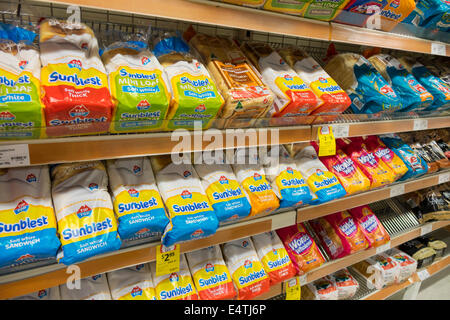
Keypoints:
pixel 341 131
pixel 303 280
pixel 423 274
pixel 327 142
pixel 384 247
pixel 420 124
pixel 293 290
pixel 426 229
pixel 397 190
pixel 167 259
pixel 438 49
pixel 16 155
pixel 444 177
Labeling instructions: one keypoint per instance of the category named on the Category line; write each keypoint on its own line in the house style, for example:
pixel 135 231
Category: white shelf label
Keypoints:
pixel 341 131
pixel 397 190
pixel 14 155
pixel 303 280
pixel 426 229
pixel 384 247
pixel 423 274
pixel 420 124
pixel 438 49
pixel 444 177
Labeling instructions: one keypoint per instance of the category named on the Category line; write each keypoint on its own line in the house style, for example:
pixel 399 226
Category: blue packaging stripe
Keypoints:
pixel 292 196
pixel 16 34
pixel 155 220
pixel 41 244
pixel 227 209
pixel 168 45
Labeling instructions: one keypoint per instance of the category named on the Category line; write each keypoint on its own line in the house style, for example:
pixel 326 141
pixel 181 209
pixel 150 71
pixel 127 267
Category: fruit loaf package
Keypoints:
pixel 139 87
pixel 74 83
pixel 132 283
pixel 21 109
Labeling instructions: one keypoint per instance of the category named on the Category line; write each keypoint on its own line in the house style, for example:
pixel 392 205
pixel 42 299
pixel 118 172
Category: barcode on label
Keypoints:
pixel 18 158
pixel 14 155
pixel 397 190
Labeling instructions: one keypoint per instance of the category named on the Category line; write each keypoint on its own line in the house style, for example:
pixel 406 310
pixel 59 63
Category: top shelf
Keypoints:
pixel 225 15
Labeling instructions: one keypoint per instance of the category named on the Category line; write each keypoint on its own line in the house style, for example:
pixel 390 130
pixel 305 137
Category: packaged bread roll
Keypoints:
pixel 246 96
pixel 293 97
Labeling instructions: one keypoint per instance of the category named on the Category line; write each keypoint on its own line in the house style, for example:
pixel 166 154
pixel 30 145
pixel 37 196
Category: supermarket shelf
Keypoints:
pixel 20 283
pixel 390 290
pixel 258 20
pixel 312 212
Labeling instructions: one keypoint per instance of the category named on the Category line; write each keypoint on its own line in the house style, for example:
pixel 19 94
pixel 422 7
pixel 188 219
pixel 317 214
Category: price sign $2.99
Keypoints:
pixel 167 259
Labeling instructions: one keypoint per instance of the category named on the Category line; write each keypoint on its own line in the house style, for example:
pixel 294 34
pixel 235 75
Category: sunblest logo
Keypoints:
pixel 186 194
pixel 6 115
pixel 84 211
pixel 79 111
pixel 133 193
pixel 23 206
pixel 93 186
pixel 75 64
pixel 125 207
pixel 31 178
pixel 200 108
pixel 278 263
pixel 136 291
pixel 143 105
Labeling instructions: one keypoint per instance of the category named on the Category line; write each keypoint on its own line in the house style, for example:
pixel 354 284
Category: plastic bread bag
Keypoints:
pixel 334 99
pixel 174 286
pixel 438 88
pixel 301 247
pixel 140 90
pixel 321 289
pixel 133 283
pixel 227 197
pixel 414 96
pixel 357 12
pixel 322 182
pixel 246 96
pixel 395 12
pixel 346 284
pixel 294 7
pixel 325 11
pixel 251 176
pixel 247 271
pixel 91 288
pixel 430 14
pixel 367 89
pixel 137 203
pixel 328 238
pixel 195 95
pixel 74 83
pixel 342 166
pixel 379 270
pixel 210 274
pixel 287 182
pixel 274 257
pixel 190 213
pixel 369 224
pixel 21 109
pixel 347 229
pixel 407 264
pixel 379 173
pixel 44 294
pixel 28 229
pixel 293 97
pixel 381 151
pixel 423 254
pixel 415 164
pixel 86 222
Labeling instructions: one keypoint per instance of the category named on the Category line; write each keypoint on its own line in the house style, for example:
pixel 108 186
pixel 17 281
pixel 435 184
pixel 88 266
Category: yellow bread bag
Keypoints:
pixel 394 12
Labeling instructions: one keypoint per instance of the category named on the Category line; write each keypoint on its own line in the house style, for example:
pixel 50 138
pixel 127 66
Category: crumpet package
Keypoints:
pixel 369 224
pixel 211 276
pixel 274 257
pixel 301 248
pixel 133 283
pixel 86 222
pixel 174 286
pixel 73 80
pixel 247 271
pixel 91 288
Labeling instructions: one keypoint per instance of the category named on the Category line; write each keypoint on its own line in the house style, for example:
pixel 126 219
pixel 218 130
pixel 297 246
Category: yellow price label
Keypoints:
pixel 327 142
pixel 293 289
pixel 167 259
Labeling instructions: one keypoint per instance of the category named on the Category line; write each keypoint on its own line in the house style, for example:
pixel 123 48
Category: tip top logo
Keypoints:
pixel 394 4
pixel 174 277
pixel 136 291
pixel 245 243
pixel 31 178
pixel 290 170
pixel 23 206
pixel 23 64
pixel 257 176
pixel 79 111
pixel 200 108
pixel 75 64
pixel 282 62
pixel 247 264
pixel 142 231
pixel 6 115
pixel 197 233
pixel 84 211
pixel 145 60
pixel 84 46
pixel 133 193
pixel 209 267
pixel 186 174
pixel 319 172
pixel 96 277
pixel 25 257
pixel 274 251
pixel 197 65
pixel 93 186
pixel 136 169
pixel 139 267
pixel 42 294
pixel 143 105
pixel 287 77
pixel 223 180
pixel 323 80
pixel 186 194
